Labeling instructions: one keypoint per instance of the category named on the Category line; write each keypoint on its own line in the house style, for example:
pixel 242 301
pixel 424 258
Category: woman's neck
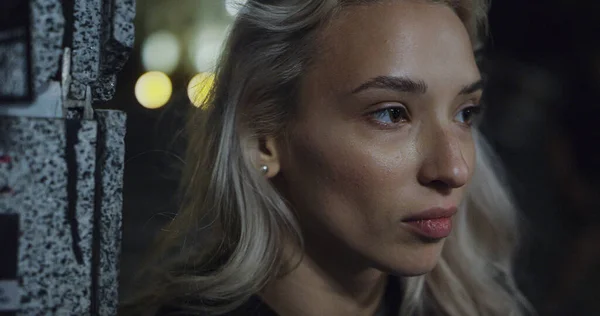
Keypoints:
pixel 326 285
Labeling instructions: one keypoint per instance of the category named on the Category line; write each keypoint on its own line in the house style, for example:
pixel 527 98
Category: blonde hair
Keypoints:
pixel 225 243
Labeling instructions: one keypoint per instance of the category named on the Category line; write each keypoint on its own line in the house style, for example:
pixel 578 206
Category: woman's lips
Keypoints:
pixel 432 228
pixel 435 223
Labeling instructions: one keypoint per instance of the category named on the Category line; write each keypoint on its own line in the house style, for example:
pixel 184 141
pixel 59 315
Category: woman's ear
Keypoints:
pixel 268 159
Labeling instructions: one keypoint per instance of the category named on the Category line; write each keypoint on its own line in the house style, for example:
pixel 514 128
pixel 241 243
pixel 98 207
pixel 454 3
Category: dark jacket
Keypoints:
pixel 256 307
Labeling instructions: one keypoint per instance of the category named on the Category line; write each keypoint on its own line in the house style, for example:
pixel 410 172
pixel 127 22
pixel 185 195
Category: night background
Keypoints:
pixel 542 68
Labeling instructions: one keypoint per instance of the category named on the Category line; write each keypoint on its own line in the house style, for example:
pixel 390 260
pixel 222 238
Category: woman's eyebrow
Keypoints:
pixel 396 83
pixel 406 84
pixel 472 88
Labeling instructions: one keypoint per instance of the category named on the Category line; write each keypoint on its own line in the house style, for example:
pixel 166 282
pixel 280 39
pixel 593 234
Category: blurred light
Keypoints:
pixel 207 48
pixel 199 88
pixel 153 89
pixel 234 6
pixel 161 52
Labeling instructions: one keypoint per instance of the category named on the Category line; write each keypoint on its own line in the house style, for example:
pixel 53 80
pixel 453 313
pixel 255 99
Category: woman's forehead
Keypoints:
pixel 419 40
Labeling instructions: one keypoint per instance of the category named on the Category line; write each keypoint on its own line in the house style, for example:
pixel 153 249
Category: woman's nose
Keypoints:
pixel 443 162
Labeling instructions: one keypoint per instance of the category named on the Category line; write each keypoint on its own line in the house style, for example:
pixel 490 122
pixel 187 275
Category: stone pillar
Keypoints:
pixel 61 161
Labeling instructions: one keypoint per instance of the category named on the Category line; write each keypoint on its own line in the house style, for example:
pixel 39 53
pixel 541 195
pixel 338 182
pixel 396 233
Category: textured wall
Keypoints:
pixel 53 262
pixel 100 34
pixel 110 162
pixel 61 162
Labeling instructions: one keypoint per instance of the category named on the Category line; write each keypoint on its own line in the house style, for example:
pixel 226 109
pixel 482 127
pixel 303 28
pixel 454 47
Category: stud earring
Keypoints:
pixel 264 169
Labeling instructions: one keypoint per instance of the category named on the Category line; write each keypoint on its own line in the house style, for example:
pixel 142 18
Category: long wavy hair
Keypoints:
pixel 225 244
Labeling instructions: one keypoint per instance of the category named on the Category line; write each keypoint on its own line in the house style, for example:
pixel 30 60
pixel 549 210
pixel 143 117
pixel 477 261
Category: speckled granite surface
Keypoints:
pixel 47 39
pixel 111 161
pixel 86 40
pixel 64 179
pixel 117 42
pixel 102 39
pixel 86 45
pixel 43 60
pixel 54 247
pixel 104 88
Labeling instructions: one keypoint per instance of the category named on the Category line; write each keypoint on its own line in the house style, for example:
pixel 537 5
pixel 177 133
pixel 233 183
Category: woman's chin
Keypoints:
pixel 412 263
pixel 412 270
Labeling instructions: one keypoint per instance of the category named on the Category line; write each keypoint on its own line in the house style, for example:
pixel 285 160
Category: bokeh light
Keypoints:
pixel 206 49
pixel 161 52
pixel 153 89
pixel 234 6
pixel 199 88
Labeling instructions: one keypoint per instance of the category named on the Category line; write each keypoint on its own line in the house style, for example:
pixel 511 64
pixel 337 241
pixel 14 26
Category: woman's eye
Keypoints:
pixel 468 115
pixel 391 115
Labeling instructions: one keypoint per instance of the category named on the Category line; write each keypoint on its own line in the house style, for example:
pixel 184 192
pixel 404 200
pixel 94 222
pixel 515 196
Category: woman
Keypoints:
pixel 338 171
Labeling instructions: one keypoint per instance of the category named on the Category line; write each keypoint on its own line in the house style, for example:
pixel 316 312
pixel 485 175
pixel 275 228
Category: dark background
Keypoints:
pixel 542 66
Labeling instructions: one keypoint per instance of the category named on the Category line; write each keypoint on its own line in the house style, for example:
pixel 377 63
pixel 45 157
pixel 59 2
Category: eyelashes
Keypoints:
pixel 469 115
pixel 394 115
pixel 391 115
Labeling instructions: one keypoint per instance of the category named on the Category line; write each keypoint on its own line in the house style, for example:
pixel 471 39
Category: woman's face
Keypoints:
pixel 382 134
